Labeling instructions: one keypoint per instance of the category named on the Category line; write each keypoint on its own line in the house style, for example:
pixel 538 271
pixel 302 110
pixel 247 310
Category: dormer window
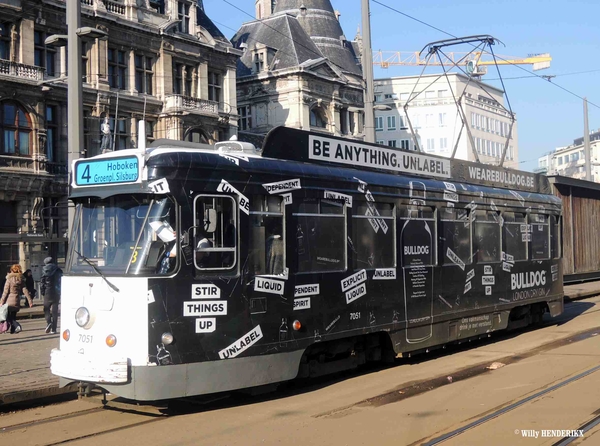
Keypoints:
pixel 259 62
pixel 183 14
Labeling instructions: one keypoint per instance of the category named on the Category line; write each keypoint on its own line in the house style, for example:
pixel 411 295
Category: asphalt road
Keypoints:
pixel 545 380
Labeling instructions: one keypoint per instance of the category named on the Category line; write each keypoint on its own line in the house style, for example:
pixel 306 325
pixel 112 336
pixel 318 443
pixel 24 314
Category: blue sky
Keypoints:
pixel 547 115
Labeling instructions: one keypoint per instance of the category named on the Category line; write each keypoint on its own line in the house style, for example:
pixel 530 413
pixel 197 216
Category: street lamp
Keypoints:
pixel 74 81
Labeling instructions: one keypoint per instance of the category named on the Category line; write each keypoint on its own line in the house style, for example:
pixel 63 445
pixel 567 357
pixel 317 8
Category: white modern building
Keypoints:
pixel 569 161
pixel 435 117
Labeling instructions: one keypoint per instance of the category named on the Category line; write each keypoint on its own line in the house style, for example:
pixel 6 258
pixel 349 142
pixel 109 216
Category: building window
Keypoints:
pixel 429 94
pixel 43 56
pixel 117 69
pixel 177 78
pixel 120 133
pixel 443 144
pixel 143 74
pixel 405 144
pixel 442 119
pixel 259 62
pixel 381 142
pixel 150 131
pixel 560 160
pixel 51 132
pixel 215 84
pixel 245 121
pixel 391 122
pixel 430 145
pixel 317 118
pixel 183 14
pixel 5 41
pixel 16 129
pixel 392 143
pixel 379 123
pixel 158 6
pixel 429 120
pixel 85 60
pixel 442 93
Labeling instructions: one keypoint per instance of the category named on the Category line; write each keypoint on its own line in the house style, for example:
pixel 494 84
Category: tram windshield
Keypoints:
pixel 124 235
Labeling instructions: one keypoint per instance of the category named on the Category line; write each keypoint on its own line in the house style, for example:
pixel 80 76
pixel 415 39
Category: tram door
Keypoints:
pixel 418 254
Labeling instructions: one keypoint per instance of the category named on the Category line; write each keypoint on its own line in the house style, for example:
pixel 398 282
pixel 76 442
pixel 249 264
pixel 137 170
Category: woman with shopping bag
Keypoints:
pixel 13 289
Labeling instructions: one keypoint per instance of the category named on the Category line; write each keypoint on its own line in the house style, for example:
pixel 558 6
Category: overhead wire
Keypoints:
pixel 505 60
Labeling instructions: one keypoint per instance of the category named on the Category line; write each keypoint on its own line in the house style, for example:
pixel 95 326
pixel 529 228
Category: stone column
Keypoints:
pixel 26 46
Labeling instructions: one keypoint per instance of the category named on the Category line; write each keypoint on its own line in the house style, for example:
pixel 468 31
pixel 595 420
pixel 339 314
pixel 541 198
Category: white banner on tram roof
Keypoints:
pixel 353 153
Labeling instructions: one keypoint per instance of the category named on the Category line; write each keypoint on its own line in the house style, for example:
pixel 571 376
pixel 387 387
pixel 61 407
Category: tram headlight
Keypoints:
pixel 82 316
pixel 167 338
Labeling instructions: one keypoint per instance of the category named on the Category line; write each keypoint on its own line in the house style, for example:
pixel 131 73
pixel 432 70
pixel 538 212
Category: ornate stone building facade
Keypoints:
pixel 298 70
pixel 164 62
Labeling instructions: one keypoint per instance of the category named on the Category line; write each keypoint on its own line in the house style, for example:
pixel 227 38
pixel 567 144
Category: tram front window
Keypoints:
pixel 132 235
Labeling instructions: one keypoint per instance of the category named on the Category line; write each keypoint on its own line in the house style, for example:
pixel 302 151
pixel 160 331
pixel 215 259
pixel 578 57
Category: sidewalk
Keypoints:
pixel 25 357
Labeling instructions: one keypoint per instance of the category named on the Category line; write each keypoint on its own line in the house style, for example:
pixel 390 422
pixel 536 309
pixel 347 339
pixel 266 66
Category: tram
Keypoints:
pixel 194 269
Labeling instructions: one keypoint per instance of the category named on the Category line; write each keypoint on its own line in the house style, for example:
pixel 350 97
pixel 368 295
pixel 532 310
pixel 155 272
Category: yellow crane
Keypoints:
pixel 475 62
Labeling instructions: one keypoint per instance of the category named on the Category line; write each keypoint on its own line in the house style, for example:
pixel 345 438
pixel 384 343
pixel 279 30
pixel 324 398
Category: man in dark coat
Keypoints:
pixel 50 288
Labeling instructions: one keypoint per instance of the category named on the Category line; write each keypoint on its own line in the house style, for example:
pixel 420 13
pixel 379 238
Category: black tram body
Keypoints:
pixel 310 266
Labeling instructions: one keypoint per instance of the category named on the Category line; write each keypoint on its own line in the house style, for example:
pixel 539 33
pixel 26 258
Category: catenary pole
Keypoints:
pixel 586 142
pixel 367 66
pixel 74 91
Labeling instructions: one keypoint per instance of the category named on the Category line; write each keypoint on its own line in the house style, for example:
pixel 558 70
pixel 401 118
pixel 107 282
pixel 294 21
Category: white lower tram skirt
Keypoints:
pixel 76 367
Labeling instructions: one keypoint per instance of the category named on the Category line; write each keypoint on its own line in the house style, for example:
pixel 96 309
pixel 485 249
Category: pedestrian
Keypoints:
pixel 13 289
pixel 50 288
pixel 29 283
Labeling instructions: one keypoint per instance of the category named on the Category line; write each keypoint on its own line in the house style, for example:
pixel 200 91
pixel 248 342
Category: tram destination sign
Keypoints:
pixel 105 171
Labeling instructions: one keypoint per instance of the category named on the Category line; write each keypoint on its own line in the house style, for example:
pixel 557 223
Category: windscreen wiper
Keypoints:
pixel 95 268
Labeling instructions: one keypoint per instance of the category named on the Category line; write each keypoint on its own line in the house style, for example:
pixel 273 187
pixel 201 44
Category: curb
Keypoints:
pixel 36 394
pixel 581 296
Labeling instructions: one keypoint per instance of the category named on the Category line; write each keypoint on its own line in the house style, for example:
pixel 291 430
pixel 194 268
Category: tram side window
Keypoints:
pixel 321 236
pixel 539 245
pixel 455 236
pixel 486 237
pixel 417 236
pixel 266 247
pixel 555 237
pixel 373 236
pixel 215 232
pixel 515 236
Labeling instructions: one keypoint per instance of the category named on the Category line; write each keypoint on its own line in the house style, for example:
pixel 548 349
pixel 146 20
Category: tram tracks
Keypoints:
pixel 78 425
pixel 504 410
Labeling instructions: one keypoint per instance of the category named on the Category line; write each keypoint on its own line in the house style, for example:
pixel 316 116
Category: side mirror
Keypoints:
pixel 210 221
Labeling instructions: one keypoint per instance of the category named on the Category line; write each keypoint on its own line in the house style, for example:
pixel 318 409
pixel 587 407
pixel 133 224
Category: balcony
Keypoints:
pixel 128 9
pixel 22 71
pixel 177 103
pixel 31 165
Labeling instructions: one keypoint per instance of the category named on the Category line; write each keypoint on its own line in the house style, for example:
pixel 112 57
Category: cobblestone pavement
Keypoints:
pixel 25 363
